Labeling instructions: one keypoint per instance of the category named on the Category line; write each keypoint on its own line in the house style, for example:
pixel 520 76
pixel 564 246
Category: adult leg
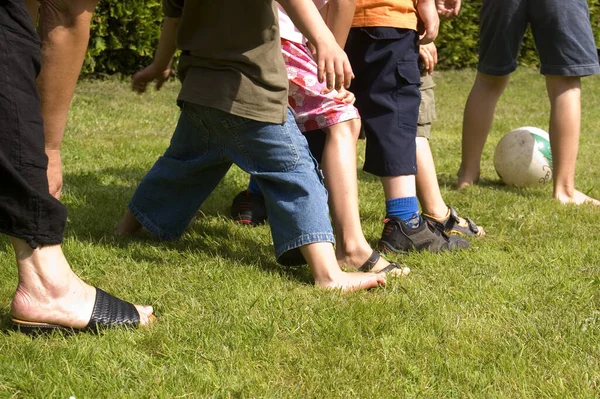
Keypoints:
pixel 477 122
pixel 565 122
pixel 48 291
pixel 64 27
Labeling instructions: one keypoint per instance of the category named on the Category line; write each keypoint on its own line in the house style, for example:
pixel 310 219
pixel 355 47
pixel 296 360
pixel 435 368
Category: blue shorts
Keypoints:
pixel 205 144
pixel 561 30
pixel 385 62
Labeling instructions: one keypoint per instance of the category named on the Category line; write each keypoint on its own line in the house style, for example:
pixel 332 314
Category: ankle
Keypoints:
pixel 439 214
pixel 328 278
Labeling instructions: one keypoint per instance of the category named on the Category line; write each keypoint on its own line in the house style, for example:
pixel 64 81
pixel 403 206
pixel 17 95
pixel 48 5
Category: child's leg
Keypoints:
pixel 428 189
pixel 314 109
pixel 172 191
pixel 502 26
pixel 278 157
pixel 327 274
pixel 565 122
pixel 387 96
pixel 339 170
pixel 477 122
pixel 432 203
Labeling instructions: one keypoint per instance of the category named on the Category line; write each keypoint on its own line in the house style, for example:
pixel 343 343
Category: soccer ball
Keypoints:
pixel 523 158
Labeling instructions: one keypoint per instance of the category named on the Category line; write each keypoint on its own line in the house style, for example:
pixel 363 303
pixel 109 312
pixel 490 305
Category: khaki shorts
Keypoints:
pixel 427 107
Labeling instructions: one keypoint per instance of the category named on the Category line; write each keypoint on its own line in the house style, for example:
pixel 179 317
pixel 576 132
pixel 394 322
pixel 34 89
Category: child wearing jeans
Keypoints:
pixel 317 108
pixel 234 110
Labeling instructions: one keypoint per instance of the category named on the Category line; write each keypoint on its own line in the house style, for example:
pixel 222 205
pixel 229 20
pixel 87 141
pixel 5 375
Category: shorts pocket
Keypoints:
pixel 408 96
pixel 427 108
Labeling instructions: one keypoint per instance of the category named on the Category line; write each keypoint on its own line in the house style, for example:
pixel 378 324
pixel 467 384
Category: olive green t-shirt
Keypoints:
pixel 231 57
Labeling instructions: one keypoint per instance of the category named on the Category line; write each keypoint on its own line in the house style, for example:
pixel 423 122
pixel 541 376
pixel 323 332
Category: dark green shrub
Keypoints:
pixel 124 36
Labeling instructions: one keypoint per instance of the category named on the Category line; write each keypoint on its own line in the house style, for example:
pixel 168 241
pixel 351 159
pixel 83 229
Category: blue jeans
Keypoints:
pixel 205 144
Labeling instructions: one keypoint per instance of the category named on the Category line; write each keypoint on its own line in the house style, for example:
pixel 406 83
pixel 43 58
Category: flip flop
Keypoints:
pixel 108 312
pixel 394 267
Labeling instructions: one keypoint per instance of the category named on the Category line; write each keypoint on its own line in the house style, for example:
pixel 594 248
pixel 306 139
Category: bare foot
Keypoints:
pixel 129 225
pixel 347 282
pixel 54 173
pixel 356 259
pixel 466 178
pixel 49 292
pixel 578 198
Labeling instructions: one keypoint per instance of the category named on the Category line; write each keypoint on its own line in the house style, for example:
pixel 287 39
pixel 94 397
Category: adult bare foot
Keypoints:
pixel 50 293
pixel 347 282
pixel 129 225
pixel 577 198
pixel 54 172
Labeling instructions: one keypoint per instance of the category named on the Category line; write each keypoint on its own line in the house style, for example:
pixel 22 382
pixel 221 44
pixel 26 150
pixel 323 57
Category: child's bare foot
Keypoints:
pixel 129 225
pixel 347 282
pixel 466 178
pixel 577 198
pixel 49 293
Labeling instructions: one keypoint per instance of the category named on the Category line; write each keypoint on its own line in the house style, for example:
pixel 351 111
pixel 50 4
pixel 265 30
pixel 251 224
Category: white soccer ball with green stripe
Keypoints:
pixel 523 157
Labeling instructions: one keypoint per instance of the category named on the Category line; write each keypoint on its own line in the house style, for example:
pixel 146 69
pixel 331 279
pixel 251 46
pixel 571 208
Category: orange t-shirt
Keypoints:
pixel 391 13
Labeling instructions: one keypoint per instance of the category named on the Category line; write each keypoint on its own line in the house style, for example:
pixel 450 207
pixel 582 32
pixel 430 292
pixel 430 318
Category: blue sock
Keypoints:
pixel 405 208
pixel 253 186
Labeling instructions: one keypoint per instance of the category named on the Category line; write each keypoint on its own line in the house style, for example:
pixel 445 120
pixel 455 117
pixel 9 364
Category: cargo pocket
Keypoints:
pixel 408 96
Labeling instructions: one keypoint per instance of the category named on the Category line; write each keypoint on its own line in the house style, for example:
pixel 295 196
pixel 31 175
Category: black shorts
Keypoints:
pixel 385 63
pixel 27 210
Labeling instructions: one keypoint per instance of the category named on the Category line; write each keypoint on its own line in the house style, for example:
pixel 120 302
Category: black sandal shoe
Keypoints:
pixel 108 312
pixel 394 267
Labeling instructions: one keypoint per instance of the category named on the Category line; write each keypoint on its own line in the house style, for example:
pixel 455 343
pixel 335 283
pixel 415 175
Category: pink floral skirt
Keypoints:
pixel 313 110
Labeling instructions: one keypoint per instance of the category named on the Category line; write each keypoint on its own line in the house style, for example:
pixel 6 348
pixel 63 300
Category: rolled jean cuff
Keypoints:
pixel 289 254
pixel 151 226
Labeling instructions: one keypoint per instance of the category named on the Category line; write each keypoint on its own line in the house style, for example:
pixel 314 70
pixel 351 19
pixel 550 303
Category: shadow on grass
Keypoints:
pixel 496 184
pixel 5 324
pixel 96 206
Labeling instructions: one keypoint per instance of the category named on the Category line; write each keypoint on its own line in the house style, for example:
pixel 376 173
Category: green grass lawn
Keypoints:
pixel 515 316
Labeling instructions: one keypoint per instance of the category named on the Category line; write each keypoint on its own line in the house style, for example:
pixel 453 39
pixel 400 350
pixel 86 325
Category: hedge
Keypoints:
pixel 123 37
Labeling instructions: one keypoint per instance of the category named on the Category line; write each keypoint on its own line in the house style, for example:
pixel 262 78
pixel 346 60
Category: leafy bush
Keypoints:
pixel 124 37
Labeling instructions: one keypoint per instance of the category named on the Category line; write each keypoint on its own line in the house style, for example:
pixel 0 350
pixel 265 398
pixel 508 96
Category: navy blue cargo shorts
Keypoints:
pixel 385 63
